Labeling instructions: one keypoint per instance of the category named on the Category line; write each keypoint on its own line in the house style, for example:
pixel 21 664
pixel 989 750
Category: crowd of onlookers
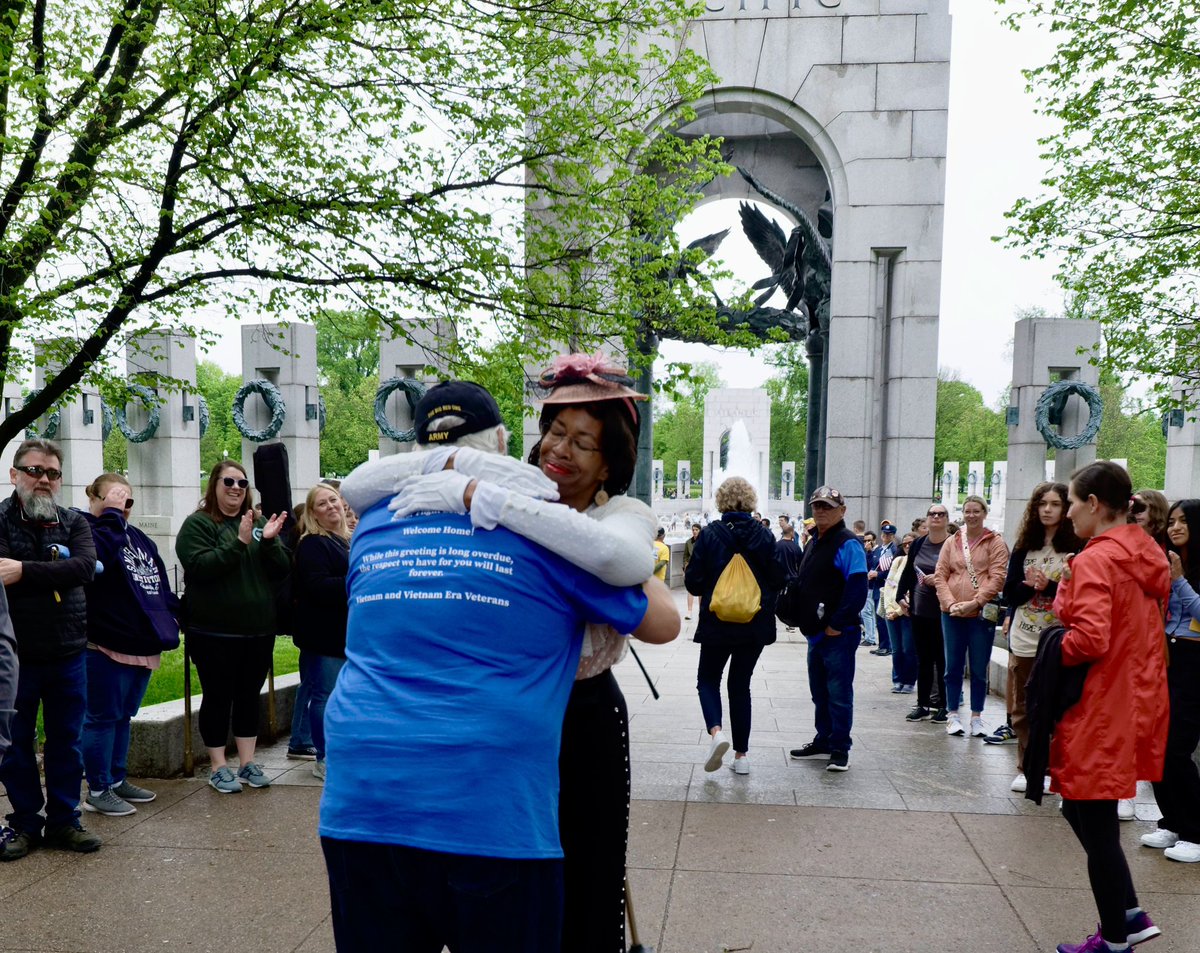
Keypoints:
pixel 87 609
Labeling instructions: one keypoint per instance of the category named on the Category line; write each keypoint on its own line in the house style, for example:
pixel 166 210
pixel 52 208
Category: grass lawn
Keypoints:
pixel 166 684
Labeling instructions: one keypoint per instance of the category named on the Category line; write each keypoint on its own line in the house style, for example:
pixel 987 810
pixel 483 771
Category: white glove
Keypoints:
pixel 487 503
pixel 506 472
pixel 435 459
pixel 440 492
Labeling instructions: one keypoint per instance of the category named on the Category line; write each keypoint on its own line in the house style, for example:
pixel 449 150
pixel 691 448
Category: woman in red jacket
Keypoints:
pixel 1117 731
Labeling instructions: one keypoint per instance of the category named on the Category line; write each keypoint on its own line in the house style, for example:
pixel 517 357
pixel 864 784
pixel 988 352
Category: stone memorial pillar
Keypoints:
pixel 1042 346
pixel 787 482
pixel 1182 479
pixel 165 469
pixel 683 479
pixel 998 487
pixel 286 356
pixel 976 471
pixel 80 424
pixel 11 401
pixel 408 360
pixel 949 488
pixel 658 479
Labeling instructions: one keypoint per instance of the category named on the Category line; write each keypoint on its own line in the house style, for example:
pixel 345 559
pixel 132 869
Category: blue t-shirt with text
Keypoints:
pixel 443 731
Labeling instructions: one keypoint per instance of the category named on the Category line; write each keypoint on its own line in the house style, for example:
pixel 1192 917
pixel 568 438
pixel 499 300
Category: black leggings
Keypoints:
pixel 232 671
pixel 1095 824
pixel 593 815
pixel 931 661
pixel 1178 793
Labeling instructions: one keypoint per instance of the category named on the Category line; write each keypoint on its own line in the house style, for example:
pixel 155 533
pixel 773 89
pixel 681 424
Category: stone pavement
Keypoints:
pixel 919 848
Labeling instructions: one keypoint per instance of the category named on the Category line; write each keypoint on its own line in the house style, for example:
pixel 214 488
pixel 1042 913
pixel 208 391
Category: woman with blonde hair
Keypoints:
pixel 319 590
pixel 738 643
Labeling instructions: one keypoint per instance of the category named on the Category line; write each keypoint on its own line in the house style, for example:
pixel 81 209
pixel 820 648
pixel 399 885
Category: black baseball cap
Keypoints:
pixel 462 399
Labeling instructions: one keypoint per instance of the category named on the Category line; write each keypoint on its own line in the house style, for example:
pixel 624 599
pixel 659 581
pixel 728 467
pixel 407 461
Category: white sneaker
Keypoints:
pixel 741 766
pixel 1160 838
pixel 977 729
pixel 953 724
pixel 1184 851
pixel 318 770
pixel 716 751
pixel 1125 811
pixel 1020 784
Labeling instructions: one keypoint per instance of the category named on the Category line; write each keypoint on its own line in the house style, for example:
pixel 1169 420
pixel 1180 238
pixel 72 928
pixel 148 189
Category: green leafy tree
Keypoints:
pixel 788 390
pixel 221 441
pixel 161 159
pixel 350 430
pixel 966 428
pixel 679 419
pixel 1131 432
pixel 1121 205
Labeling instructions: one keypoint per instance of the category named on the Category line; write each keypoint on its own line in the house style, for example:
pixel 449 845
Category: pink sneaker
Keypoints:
pixel 1140 928
pixel 1093 944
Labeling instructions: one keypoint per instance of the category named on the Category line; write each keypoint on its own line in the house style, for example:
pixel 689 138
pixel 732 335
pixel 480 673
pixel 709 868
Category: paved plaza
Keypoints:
pixel 919 848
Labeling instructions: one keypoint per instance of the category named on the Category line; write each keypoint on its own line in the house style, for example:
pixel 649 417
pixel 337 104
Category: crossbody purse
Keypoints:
pixel 990 610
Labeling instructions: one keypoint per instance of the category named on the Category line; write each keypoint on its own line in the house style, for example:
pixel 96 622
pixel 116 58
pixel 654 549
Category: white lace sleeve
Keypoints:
pixel 612 542
pixel 376 480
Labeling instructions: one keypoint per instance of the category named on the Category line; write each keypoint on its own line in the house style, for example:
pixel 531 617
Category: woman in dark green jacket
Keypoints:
pixel 233 565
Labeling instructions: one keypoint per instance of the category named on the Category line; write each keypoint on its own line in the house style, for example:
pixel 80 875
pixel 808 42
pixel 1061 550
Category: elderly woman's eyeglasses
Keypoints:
pixel 941 513
pixel 560 437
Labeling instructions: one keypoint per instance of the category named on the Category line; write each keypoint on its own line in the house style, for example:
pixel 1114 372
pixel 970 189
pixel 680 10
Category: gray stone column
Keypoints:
pixel 286 355
pixel 1183 445
pixel 79 435
pixel 10 401
pixel 165 470
pixel 400 357
pixel 1042 346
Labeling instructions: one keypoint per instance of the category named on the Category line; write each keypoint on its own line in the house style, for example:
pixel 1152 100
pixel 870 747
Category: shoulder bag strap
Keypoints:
pixel 967 557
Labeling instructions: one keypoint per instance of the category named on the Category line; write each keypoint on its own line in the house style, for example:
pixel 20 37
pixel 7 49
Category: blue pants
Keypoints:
pixel 742 659
pixel 318 675
pixel 867 619
pixel 967 639
pixel 904 650
pixel 405 900
pixel 114 693
pixel 831 682
pixel 882 634
pixel 60 689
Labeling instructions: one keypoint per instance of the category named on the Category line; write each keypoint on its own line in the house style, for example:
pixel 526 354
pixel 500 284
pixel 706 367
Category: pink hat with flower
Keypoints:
pixel 583 378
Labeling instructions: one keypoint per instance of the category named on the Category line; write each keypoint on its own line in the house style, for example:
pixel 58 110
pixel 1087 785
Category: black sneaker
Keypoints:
pixel 883 653
pixel 810 750
pixel 72 838
pixel 16 844
pixel 919 713
pixel 838 761
pixel 939 717
pixel 302 753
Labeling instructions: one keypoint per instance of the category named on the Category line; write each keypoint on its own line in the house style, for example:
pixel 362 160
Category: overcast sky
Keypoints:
pixel 992 161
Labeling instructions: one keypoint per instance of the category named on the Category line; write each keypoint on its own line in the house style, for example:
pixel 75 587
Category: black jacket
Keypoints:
pixel 908 575
pixel 131 608
pixel 319 592
pixel 823 595
pixel 47 606
pixel 714 549
pixel 8 675
pixel 1052 689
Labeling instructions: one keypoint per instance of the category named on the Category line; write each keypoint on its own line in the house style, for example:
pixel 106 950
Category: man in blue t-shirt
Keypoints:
pixel 439 820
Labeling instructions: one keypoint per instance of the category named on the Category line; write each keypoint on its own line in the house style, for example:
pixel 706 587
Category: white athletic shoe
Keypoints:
pixel 977 729
pixel 1125 811
pixel 1160 838
pixel 741 766
pixel 1184 851
pixel 954 724
pixel 716 752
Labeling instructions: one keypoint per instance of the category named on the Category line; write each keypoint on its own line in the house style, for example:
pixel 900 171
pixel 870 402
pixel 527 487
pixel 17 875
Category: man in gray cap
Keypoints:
pixel 830 592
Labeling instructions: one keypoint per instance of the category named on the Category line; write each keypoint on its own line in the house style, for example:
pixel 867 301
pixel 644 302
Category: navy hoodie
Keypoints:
pixel 130 606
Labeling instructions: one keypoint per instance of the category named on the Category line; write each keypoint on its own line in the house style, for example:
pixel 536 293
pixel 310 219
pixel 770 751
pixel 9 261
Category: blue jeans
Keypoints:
pixel 967 638
pixel 867 618
pixel 388 897
pixel 318 675
pixel 114 693
pixel 60 688
pixel 904 650
pixel 831 682
pixel 301 719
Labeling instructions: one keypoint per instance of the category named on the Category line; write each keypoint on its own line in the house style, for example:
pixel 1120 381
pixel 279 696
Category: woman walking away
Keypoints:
pixel 132 617
pixel 970 574
pixel 232 565
pixel 319 586
pixel 688 547
pixel 1045 541
pixel 738 643
pixel 917 597
pixel 1117 731
pixel 1178 793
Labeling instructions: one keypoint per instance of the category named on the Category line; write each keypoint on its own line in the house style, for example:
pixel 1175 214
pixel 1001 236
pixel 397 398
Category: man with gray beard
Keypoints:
pixel 47 555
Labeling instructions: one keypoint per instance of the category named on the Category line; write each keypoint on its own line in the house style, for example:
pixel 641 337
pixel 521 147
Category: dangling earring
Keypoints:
pixel 601 497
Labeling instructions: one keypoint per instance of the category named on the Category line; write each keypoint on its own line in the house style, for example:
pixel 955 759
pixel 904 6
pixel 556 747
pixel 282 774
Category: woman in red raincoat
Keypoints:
pixel 1117 731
